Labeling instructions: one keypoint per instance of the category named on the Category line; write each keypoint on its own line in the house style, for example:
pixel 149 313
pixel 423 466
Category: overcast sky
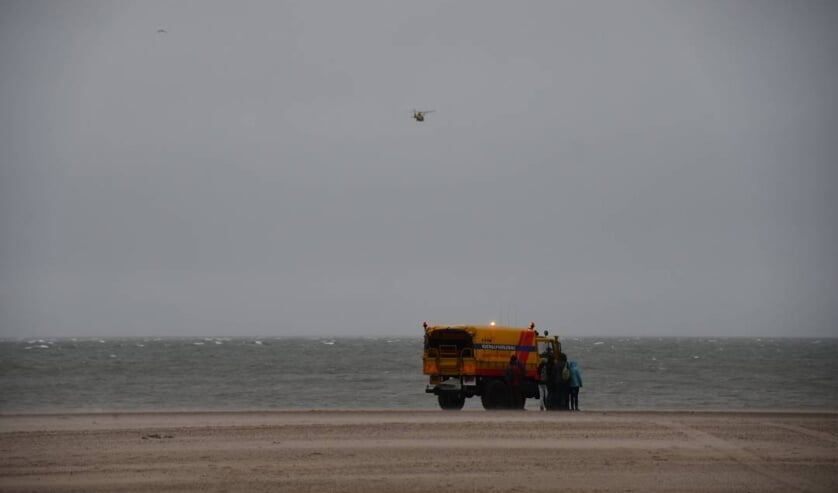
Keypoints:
pixel 601 168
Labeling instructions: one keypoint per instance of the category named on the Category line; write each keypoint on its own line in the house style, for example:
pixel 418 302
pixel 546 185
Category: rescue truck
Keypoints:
pixel 464 361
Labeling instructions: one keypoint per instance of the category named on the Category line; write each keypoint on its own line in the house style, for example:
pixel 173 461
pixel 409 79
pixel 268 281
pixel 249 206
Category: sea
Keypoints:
pixel 269 373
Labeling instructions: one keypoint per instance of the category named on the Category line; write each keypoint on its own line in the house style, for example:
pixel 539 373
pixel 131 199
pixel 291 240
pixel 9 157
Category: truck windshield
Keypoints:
pixel 544 347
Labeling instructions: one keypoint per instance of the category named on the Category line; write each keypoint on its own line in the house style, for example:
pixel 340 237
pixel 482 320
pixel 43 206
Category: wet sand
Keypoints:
pixel 407 451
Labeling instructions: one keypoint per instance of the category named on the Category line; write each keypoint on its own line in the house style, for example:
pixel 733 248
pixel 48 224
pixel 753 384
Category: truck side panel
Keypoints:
pixel 493 348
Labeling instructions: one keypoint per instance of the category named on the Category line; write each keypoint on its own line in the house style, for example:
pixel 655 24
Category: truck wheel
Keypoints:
pixel 451 401
pixel 495 396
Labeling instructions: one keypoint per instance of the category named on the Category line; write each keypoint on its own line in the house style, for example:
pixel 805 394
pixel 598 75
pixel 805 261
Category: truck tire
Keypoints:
pixel 495 395
pixel 451 401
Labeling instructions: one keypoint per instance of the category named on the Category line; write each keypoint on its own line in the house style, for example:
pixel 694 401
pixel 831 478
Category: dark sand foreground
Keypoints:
pixel 405 451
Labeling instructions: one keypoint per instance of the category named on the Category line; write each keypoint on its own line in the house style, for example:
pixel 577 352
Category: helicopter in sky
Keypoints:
pixel 419 116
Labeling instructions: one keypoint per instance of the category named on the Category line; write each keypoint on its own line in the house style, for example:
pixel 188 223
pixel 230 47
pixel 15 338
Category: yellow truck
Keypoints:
pixel 464 361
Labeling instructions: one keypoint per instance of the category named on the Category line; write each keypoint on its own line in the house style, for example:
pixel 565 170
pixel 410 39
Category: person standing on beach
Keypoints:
pixel 552 386
pixel 574 382
pixel 562 388
pixel 545 374
pixel 514 379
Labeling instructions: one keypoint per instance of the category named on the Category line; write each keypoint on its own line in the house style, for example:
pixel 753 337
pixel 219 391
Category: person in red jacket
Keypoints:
pixel 514 380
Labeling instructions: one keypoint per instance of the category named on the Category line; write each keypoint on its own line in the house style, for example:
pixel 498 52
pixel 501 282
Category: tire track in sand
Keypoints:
pixel 741 456
pixel 806 431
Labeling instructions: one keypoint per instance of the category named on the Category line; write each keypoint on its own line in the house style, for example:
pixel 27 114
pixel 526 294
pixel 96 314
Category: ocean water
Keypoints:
pixel 76 375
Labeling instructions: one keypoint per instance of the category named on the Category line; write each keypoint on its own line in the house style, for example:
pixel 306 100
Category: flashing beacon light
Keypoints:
pixel 532 325
pixel 492 323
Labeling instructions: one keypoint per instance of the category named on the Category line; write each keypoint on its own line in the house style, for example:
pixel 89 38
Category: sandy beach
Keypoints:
pixel 364 451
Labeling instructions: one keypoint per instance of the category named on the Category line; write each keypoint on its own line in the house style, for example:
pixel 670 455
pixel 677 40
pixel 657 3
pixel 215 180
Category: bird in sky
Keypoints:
pixel 419 116
pixel 162 31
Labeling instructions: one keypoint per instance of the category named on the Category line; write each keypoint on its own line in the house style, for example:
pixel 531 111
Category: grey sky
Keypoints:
pixel 601 168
